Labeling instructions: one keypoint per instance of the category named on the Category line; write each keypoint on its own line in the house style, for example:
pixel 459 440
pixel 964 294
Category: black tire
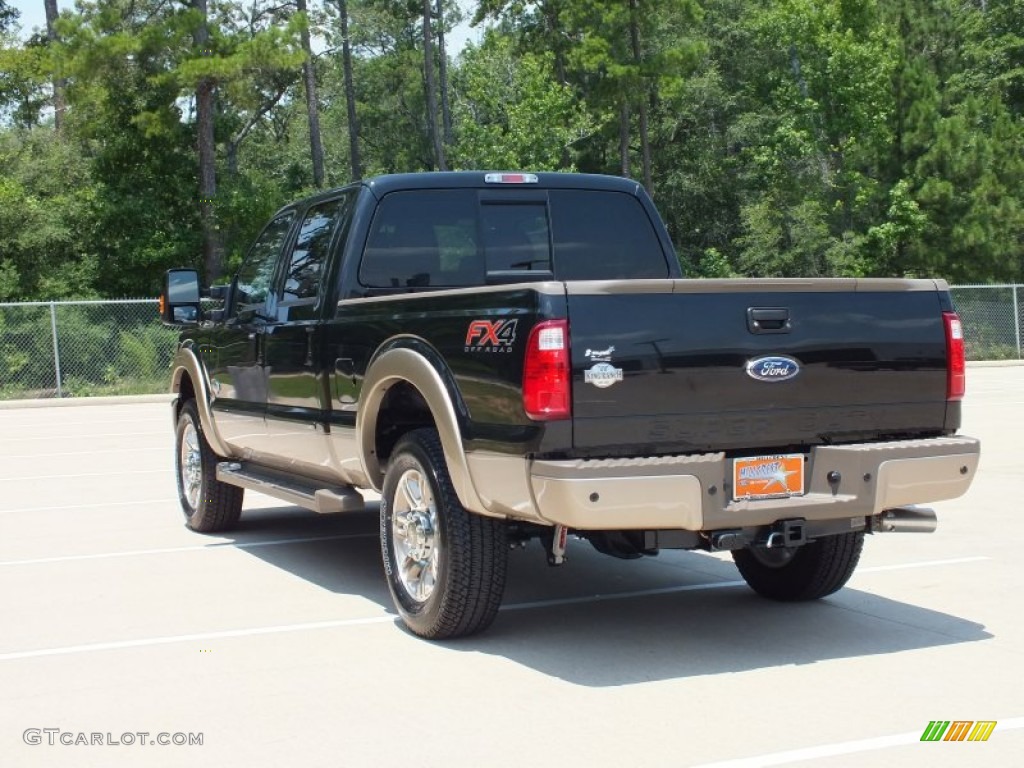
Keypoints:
pixel 209 505
pixel 445 567
pixel 804 573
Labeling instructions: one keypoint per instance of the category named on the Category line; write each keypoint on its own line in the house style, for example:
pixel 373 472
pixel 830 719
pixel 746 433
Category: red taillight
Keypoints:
pixel 547 372
pixel 956 365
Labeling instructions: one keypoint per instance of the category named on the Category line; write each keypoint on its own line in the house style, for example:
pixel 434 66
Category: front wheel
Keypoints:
pixel 209 505
pixel 808 572
pixel 445 567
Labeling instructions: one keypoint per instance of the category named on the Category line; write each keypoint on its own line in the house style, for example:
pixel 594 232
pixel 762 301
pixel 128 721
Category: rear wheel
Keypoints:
pixel 209 505
pixel 445 567
pixel 803 573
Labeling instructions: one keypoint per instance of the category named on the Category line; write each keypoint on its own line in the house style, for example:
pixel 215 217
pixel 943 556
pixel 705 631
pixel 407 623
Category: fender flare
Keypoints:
pixel 186 361
pixel 403 364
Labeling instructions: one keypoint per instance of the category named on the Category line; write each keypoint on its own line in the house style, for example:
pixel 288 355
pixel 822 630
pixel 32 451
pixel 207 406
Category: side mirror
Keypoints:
pixel 179 302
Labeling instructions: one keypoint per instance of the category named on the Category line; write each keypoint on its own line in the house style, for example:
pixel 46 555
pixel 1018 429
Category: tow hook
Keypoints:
pixel 556 551
pixel 787 533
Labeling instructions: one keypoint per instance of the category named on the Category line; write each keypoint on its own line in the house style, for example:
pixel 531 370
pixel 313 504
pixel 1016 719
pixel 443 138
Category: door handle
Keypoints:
pixel 345 366
pixel 310 331
pixel 768 320
pixel 256 339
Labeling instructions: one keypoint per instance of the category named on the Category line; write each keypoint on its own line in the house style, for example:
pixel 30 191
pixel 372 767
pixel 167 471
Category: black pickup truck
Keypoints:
pixel 516 356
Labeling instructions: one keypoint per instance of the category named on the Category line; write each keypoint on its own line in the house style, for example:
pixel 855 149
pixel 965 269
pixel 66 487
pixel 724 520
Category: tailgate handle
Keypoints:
pixel 768 320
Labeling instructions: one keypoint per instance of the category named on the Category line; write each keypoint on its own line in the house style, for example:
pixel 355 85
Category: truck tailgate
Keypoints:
pixel 664 366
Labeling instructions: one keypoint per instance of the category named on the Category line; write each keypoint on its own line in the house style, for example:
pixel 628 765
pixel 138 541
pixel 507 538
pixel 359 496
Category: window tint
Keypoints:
pixel 444 238
pixel 515 236
pixel 257 271
pixel 308 259
pixel 603 236
pixel 423 238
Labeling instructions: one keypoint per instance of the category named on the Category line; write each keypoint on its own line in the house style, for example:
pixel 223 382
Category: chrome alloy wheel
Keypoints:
pixel 190 463
pixel 416 539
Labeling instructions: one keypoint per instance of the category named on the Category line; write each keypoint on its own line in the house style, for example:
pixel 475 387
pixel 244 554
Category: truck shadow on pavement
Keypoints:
pixel 602 622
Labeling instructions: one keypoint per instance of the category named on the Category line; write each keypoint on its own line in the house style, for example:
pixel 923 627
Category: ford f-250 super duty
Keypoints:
pixel 515 356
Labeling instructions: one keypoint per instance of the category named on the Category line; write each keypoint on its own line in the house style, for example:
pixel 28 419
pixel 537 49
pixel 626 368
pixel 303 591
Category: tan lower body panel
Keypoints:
pixel 670 501
pixel 693 492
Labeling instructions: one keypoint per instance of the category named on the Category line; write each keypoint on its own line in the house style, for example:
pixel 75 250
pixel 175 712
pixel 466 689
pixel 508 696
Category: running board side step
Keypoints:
pixel 339 498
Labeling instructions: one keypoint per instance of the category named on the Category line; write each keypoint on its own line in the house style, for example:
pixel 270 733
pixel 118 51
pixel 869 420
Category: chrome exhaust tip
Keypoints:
pixel 905 520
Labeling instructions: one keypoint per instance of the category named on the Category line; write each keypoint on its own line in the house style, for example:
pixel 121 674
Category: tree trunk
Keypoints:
pixel 551 10
pixel 316 148
pixel 213 250
pixel 350 94
pixel 59 102
pixel 645 145
pixel 430 92
pixel 624 138
pixel 645 149
pixel 442 74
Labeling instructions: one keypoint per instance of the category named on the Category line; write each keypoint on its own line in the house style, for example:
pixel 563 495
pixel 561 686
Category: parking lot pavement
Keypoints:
pixel 277 645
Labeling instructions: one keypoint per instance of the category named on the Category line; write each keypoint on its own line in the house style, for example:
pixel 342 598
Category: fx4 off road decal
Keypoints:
pixel 491 335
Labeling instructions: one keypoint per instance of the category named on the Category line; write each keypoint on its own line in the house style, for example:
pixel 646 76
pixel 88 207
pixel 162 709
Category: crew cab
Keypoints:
pixel 514 356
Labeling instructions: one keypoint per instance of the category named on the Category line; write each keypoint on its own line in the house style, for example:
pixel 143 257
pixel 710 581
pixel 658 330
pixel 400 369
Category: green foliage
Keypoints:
pixel 8 16
pixel 22 76
pixel 784 137
pixel 47 209
pixel 103 348
pixel 510 111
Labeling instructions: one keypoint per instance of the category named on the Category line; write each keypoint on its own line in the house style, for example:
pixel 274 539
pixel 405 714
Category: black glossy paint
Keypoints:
pixel 872 364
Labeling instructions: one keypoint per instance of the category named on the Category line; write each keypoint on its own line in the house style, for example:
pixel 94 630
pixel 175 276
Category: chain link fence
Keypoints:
pixel 993 318
pixel 83 348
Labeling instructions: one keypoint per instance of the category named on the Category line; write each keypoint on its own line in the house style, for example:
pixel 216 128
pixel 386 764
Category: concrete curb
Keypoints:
pixel 69 402
pixel 994 363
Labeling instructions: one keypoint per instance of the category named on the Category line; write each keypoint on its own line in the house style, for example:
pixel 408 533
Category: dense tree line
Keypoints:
pixel 778 137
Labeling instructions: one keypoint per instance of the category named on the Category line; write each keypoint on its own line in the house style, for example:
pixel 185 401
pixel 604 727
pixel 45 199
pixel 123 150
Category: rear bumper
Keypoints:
pixel 693 493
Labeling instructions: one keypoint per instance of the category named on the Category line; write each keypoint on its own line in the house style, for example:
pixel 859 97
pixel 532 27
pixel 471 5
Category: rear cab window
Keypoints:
pixel 449 238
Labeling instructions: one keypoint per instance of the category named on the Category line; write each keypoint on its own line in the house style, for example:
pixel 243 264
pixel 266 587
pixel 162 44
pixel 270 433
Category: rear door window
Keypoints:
pixel 254 278
pixel 308 259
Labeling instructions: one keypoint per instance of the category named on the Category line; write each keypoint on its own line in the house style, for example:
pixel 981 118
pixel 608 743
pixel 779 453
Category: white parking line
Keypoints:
pixel 84 452
pixel 716 585
pixel 845 748
pixel 118 473
pixel 91 506
pixel 33 422
pixel 148 641
pixel 86 436
pixel 921 564
pixel 142 642
pixel 193 548
pixel 600 598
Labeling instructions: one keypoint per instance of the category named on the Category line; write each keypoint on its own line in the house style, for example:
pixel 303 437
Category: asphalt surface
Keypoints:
pixel 277 644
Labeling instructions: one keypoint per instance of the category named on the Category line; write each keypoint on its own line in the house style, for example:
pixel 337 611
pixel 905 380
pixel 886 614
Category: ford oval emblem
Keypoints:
pixel 775 368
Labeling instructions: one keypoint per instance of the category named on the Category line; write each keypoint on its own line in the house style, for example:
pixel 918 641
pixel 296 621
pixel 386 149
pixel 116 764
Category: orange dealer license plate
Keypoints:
pixel 768 477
